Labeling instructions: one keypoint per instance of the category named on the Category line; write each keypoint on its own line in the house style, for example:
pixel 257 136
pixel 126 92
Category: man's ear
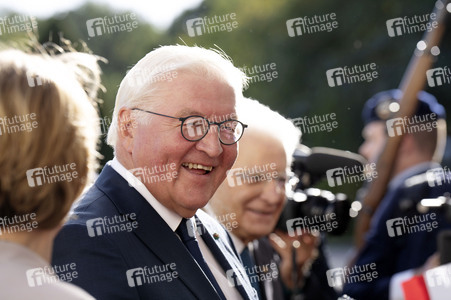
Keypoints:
pixel 126 128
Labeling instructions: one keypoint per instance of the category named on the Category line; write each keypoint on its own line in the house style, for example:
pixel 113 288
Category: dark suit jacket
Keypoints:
pixel 264 254
pixel 315 288
pixel 112 262
pixel 402 252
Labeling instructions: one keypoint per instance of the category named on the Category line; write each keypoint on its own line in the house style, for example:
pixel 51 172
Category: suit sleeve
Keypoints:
pixel 380 250
pixel 99 265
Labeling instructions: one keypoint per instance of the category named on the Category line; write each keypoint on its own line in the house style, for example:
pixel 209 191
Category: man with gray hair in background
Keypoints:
pixel 249 204
pixel 175 132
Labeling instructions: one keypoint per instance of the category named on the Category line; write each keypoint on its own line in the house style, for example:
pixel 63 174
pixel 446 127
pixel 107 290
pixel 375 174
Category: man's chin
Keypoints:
pixel 192 205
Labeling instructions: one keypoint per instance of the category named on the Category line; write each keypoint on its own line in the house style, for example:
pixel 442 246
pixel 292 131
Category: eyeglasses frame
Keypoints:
pixel 208 122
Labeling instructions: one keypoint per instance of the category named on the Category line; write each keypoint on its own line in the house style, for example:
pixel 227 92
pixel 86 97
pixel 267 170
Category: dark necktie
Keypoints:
pixel 249 264
pixel 187 234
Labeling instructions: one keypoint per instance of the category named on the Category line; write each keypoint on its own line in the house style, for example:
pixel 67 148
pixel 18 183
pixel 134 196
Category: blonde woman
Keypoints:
pixel 48 136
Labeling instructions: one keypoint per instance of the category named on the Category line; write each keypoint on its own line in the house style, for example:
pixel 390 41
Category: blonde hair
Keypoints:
pixel 58 91
pixel 164 64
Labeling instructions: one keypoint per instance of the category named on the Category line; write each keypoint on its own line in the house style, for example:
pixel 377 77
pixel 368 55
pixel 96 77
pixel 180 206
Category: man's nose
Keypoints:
pixel 273 191
pixel 210 144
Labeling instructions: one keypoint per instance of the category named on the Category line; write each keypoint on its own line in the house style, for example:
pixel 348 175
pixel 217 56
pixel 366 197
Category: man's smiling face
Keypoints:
pixel 201 166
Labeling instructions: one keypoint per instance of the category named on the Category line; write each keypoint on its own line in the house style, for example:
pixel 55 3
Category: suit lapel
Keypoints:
pixel 228 261
pixel 154 233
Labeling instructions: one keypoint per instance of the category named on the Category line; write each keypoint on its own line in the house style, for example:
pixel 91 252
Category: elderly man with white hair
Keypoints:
pixel 250 202
pixel 175 132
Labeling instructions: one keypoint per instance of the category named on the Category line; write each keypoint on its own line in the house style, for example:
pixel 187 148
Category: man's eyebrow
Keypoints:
pixel 188 112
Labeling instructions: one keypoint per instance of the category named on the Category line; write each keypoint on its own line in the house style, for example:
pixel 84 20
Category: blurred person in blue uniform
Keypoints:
pixel 402 236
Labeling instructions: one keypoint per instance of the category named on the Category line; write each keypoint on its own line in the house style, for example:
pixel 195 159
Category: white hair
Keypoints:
pixel 262 118
pixel 163 64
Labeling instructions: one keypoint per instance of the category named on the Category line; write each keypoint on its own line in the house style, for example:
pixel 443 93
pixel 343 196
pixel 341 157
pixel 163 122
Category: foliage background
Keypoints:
pixel 301 88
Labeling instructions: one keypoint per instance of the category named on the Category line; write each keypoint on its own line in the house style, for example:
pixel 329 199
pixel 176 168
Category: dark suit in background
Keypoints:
pixel 403 251
pixel 315 287
pixel 263 254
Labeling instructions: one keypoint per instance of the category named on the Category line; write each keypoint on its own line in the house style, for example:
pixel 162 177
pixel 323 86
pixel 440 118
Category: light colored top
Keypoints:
pixel 173 220
pixel 26 275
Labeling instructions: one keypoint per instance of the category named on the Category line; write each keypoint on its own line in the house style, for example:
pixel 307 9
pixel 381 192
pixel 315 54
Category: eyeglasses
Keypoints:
pixel 195 128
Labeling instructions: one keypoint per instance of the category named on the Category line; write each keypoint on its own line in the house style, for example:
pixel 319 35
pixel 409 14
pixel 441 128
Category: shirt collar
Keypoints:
pixel 170 217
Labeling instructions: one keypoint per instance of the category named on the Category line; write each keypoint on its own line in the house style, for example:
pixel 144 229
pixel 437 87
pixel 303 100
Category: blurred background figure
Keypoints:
pixel 249 203
pixel 49 131
pixel 382 107
pixel 403 232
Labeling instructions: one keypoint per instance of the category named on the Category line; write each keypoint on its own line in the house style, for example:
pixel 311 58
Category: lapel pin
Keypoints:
pixel 216 236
